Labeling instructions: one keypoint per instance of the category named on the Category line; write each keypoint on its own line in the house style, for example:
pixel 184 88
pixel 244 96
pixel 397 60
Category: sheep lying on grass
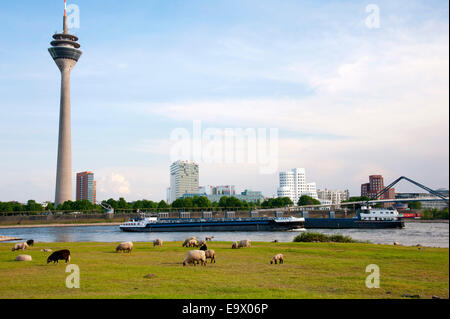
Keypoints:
pixel 194 257
pixel 211 254
pixel 277 258
pixel 157 242
pixel 21 246
pixel 46 250
pixel 125 246
pixel 23 258
pixel 244 243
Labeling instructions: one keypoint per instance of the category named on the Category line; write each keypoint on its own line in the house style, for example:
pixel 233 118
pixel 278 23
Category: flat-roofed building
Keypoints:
pixel 184 176
pixel 86 187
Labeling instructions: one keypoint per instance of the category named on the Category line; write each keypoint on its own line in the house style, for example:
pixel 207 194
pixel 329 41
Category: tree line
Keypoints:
pixel 196 202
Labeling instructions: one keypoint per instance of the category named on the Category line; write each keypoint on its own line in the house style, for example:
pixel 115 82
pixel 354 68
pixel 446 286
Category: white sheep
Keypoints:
pixel 277 258
pixel 157 242
pixel 23 258
pixel 201 243
pixel 211 254
pixel 244 243
pixel 22 246
pixel 125 246
pixel 188 242
pixel 195 256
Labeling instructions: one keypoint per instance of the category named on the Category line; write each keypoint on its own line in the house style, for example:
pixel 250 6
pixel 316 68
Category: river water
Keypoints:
pixel 426 234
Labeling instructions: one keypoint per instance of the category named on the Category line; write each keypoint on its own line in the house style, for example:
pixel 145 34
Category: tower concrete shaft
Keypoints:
pixel 65 54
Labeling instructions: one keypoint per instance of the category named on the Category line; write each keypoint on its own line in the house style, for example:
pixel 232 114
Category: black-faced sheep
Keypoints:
pixel 277 258
pixel 125 246
pixel 235 245
pixel 63 254
pixel 157 242
pixel 30 242
pixel 194 257
pixel 209 238
pixel 211 254
pixel 244 243
pixel 204 247
pixel 19 246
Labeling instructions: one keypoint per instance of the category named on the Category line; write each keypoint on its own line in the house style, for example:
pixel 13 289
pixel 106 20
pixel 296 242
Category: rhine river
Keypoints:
pixel 426 234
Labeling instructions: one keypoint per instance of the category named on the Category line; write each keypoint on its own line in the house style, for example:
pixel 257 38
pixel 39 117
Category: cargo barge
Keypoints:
pixel 154 224
pixel 367 218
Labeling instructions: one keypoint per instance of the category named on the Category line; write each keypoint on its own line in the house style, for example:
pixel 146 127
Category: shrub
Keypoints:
pixel 309 237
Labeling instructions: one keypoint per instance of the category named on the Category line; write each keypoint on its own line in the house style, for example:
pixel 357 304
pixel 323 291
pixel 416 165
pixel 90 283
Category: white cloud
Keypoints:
pixel 115 184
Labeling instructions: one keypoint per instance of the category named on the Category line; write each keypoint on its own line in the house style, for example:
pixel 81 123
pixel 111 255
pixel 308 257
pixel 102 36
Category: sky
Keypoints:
pixel 351 91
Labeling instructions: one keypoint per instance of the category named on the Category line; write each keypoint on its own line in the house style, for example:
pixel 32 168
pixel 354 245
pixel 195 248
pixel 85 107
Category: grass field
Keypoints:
pixel 311 270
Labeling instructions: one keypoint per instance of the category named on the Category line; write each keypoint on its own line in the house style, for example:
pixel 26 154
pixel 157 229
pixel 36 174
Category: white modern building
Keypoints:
pixel 183 179
pixel 334 196
pixel 293 185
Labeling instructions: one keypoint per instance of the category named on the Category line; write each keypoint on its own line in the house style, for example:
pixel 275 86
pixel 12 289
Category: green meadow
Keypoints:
pixel 311 270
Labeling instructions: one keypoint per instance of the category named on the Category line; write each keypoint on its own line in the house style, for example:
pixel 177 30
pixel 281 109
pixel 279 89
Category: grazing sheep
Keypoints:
pixel 396 243
pixel 235 245
pixel 201 243
pixel 210 254
pixel 30 242
pixel 275 241
pixel 277 258
pixel 46 250
pixel 157 242
pixel 195 256
pixel 63 254
pixel 192 243
pixel 244 243
pixel 210 238
pixel 419 246
pixel 22 246
pixel 23 258
pixel 125 246
pixel 189 241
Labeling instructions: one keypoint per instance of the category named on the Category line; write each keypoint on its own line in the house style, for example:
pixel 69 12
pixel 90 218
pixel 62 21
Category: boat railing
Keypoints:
pixel 211 220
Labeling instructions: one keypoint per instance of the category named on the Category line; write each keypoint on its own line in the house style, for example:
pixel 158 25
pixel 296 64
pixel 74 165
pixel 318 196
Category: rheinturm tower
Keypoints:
pixel 65 53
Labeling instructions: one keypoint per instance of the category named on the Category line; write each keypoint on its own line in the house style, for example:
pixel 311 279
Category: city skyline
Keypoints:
pixel 349 101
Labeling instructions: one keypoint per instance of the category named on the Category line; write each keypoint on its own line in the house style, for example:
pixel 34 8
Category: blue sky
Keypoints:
pixel 348 100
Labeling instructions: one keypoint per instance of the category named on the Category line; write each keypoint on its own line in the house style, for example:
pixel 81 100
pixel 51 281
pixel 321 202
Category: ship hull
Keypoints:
pixel 216 226
pixel 347 223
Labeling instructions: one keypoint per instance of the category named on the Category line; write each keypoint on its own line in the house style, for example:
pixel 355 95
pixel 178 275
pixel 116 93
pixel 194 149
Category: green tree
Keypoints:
pixel 162 205
pixel 122 203
pixel 306 200
pixel 415 205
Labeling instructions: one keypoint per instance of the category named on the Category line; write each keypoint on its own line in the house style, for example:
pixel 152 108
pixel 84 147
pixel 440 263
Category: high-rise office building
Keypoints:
pixel 376 185
pixel 183 179
pixel 86 187
pixel 293 185
pixel 65 53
